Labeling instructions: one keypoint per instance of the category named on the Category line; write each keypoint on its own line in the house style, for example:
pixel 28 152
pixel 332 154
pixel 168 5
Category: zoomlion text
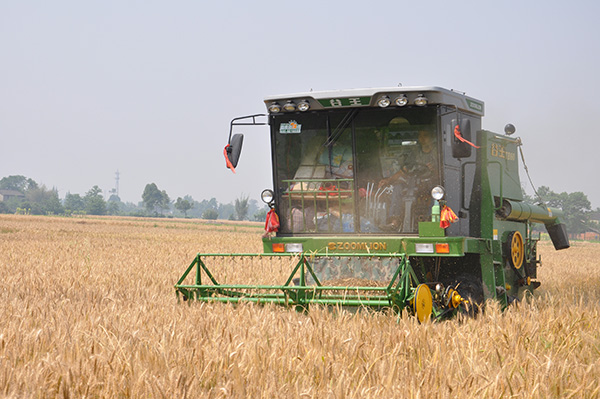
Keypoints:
pixel 357 246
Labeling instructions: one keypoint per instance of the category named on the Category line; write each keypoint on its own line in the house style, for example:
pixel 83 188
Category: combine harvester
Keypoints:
pixel 388 198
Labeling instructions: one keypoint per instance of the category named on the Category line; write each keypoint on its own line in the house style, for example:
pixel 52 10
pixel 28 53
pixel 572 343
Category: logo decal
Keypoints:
pixel 290 127
pixel 474 105
pixel 345 102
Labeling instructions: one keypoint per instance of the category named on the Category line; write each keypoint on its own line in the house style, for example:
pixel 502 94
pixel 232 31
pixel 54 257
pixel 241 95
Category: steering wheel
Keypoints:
pixel 418 169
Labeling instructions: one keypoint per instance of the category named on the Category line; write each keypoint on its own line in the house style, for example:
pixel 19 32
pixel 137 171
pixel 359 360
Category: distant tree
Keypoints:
pixel 113 207
pixel 226 211
pixel 260 215
pixel 114 204
pixel 595 221
pixel 43 201
pixel 131 209
pixel 213 203
pixel 154 199
pixel 241 207
pixel 94 202
pixel 165 202
pixel 183 206
pixel 151 197
pixel 74 203
pixel 576 207
pixel 210 214
pixel 18 183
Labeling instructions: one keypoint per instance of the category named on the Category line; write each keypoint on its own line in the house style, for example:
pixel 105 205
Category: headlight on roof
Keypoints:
pixel 274 108
pixel 303 106
pixel 384 101
pixel 401 100
pixel 421 100
pixel 290 106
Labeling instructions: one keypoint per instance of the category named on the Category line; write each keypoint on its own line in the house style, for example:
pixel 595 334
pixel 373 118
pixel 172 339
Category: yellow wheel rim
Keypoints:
pixel 423 303
pixel 517 250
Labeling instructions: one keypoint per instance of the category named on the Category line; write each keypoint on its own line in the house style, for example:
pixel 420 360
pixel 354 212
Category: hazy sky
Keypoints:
pixel 149 87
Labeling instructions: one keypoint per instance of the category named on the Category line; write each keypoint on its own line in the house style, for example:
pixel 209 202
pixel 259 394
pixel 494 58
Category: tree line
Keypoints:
pixel 579 217
pixel 24 195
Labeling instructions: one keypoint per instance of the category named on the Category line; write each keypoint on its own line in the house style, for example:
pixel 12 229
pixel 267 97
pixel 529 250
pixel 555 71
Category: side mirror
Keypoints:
pixel 235 149
pixel 461 149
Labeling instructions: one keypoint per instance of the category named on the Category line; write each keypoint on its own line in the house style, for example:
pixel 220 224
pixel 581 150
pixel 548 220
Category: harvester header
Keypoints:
pixel 397 189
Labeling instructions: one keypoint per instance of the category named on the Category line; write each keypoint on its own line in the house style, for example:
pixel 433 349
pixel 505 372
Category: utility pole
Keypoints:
pixel 115 191
pixel 117 174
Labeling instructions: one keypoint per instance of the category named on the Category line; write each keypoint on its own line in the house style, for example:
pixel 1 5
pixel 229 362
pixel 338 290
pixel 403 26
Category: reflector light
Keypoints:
pixel 278 247
pixel 424 248
pixel 442 248
pixel 290 106
pixel 421 100
pixel 274 108
pixel 401 101
pixel 293 247
pixel 384 102
pixel 303 106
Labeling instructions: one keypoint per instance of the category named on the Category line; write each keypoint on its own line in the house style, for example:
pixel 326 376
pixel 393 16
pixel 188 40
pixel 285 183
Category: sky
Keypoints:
pixel 148 88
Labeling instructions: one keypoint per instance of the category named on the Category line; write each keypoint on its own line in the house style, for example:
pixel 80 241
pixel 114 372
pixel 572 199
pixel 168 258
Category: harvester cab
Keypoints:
pixel 390 197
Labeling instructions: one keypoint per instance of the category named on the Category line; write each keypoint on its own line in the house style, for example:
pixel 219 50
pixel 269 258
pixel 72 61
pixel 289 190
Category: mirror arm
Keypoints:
pixel 254 122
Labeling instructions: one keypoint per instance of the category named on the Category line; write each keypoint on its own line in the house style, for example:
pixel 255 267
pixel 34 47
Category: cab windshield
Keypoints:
pixel 355 171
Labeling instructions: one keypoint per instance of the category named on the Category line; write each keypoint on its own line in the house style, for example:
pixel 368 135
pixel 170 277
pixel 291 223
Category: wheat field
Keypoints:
pixel 88 309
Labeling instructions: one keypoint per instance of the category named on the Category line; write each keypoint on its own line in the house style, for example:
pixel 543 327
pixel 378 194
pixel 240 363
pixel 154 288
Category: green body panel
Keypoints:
pixel 431 229
pixel 496 200
pixel 458 246
pixel 339 244
pixel 499 155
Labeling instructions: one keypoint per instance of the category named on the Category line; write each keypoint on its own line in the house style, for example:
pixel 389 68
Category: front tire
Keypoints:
pixel 470 287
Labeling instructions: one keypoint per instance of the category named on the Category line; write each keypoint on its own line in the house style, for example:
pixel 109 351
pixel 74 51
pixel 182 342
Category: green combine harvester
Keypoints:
pixel 387 198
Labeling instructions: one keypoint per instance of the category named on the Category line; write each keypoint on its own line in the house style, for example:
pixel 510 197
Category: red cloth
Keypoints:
pixel 447 216
pixel 227 161
pixel 272 222
pixel 461 138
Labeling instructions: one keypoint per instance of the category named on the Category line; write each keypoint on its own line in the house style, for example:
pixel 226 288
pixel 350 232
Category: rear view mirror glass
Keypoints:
pixel 461 149
pixel 235 149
